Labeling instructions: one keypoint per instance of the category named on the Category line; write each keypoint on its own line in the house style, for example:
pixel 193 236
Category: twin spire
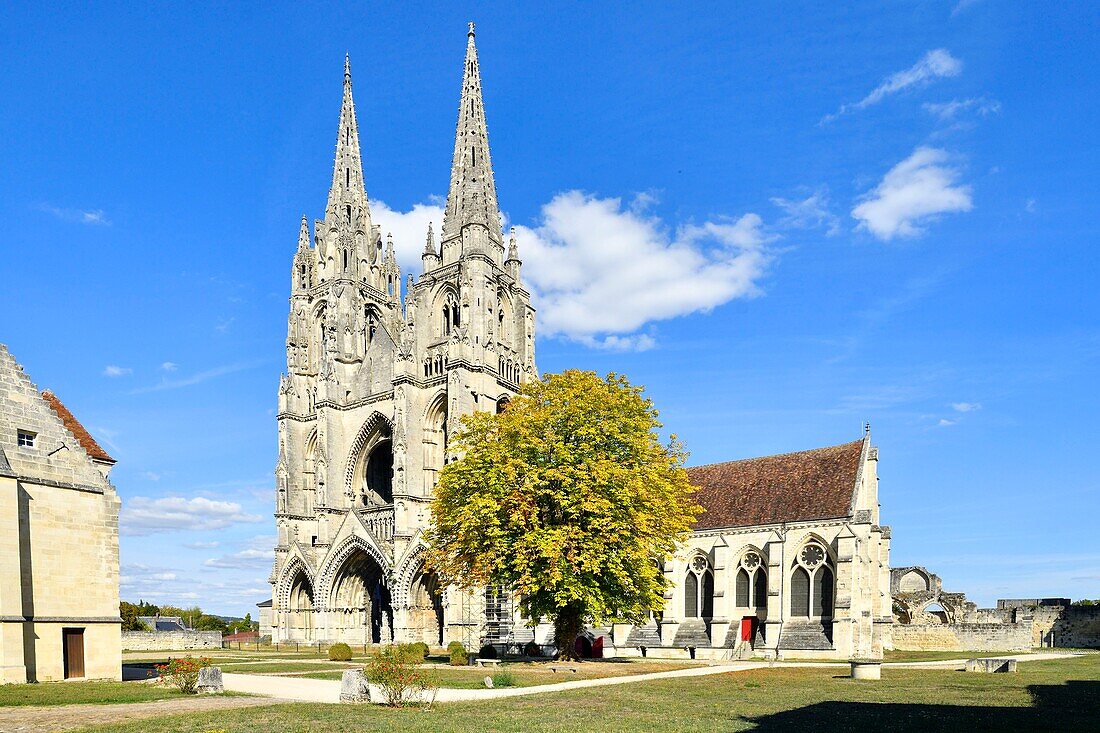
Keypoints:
pixel 347 172
pixel 472 196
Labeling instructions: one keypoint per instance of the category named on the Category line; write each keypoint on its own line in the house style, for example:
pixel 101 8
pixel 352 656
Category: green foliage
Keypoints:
pixel 1087 602
pixel 183 673
pixel 488 651
pixel 401 682
pixel 567 497
pixel 339 652
pixel 129 613
pixel 504 678
pixel 458 655
pixel 531 649
pixel 420 649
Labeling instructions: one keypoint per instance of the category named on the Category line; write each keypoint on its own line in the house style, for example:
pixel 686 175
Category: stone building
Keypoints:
pixel 789 556
pixel 59 533
pixel 376 380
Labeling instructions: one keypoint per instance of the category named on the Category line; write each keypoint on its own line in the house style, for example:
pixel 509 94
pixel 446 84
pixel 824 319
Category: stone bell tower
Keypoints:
pixel 374 386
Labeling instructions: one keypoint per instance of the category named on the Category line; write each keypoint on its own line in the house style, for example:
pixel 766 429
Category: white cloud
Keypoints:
pixel 965 406
pixel 202 545
pixel 914 191
pixel 169 366
pixel 94 217
pixel 944 422
pixel 936 64
pixel 600 271
pixel 809 213
pixel 112 370
pixel 197 378
pixel 950 110
pixel 151 475
pixel 1030 206
pixel 249 558
pixel 409 229
pixel 143 516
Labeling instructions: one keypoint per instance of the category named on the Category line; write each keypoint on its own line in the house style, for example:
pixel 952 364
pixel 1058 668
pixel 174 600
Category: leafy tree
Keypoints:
pixel 129 613
pixel 567 497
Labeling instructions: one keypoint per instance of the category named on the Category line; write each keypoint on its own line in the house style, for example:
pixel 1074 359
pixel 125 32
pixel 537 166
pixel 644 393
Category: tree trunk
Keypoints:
pixel 568 625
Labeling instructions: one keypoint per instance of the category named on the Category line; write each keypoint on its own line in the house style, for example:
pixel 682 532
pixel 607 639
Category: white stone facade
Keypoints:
pixel 375 384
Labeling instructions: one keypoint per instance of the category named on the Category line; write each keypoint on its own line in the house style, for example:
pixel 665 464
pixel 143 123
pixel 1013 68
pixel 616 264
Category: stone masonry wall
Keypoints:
pixel 170 640
pixel 950 637
pixel 1078 627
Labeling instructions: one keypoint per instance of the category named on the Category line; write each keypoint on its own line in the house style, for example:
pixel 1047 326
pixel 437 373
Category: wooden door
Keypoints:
pixel 746 628
pixel 73 646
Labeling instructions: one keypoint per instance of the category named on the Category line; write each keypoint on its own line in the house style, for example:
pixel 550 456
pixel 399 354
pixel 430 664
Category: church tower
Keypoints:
pixel 375 383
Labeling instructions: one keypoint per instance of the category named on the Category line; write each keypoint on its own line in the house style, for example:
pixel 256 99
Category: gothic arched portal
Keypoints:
pixel 360 602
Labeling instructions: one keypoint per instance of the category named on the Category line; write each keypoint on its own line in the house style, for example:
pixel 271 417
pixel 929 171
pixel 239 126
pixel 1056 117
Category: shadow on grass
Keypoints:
pixel 1073 706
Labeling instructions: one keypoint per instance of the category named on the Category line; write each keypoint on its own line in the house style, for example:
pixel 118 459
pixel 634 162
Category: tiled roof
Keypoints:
pixel 87 442
pixel 793 487
pixel 5 467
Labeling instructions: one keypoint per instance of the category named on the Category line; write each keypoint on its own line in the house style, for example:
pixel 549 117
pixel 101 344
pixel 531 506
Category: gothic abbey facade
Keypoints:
pixel 376 380
pixel 788 558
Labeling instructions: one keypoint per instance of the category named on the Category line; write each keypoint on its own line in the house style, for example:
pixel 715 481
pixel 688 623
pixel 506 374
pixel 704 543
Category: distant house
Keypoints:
pixel 58 540
pixel 163 623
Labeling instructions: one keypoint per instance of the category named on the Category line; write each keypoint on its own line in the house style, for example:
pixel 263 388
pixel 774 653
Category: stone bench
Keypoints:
pixel 563 668
pixel 991 665
pixel 482 662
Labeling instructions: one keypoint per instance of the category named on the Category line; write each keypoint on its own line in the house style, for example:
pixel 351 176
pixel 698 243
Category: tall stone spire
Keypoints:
pixel 472 198
pixel 347 188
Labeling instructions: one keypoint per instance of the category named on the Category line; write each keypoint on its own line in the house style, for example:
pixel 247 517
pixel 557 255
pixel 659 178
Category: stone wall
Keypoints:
pixel 170 640
pixel 1078 627
pixel 961 637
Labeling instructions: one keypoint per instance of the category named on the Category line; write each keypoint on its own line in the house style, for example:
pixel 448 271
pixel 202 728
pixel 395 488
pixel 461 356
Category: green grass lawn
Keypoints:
pixel 527 674
pixel 267 667
pixel 1061 695
pixel 893 655
pixel 70 693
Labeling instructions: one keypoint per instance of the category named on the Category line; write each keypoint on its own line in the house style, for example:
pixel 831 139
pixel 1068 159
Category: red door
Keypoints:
pixel 746 628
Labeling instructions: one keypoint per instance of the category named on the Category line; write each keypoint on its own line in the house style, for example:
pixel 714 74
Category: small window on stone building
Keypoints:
pixel 26 439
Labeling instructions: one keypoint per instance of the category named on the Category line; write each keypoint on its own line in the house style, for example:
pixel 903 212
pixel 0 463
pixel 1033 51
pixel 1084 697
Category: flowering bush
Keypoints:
pixel 183 674
pixel 400 682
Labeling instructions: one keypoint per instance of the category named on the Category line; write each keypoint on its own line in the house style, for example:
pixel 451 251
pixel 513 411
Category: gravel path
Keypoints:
pixel 46 719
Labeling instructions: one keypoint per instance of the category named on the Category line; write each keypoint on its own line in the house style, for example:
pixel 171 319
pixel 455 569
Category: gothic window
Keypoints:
pixel 446 319
pixel 800 592
pixel 741 590
pixel 751 582
pixel 347 177
pixel 348 211
pixel 812 583
pixel 699 589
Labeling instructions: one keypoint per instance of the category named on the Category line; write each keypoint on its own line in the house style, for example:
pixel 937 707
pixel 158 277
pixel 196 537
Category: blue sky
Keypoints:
pixel 784 221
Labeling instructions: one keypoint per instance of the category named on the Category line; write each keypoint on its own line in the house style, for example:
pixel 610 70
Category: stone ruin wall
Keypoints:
pixel 963 637
pixel 143 641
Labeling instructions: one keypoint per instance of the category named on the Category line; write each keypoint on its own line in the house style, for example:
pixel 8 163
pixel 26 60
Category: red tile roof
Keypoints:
pixel 793 487
pixel 87 442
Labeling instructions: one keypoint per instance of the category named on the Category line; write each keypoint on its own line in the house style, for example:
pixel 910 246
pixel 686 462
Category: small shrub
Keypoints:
pixel 340 652
pixel 531 649
pixel 458 654
pixel 488 651
pixel 399 681
pixel 504 678
pixel 421 648
pixel 183 674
